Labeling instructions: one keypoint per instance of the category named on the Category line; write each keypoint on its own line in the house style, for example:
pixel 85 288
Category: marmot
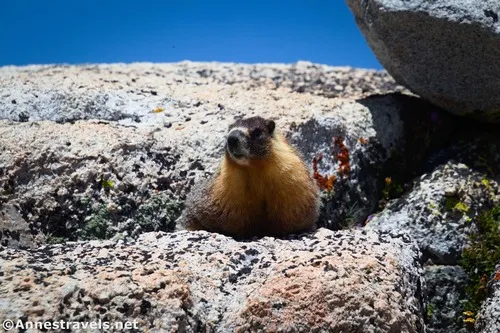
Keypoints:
pixel 261 188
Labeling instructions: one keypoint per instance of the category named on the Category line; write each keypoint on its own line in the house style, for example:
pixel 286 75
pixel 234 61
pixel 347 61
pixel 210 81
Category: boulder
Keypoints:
pixel 445 298
pixel 446 51
pixel 197 281
pixel 439 210
pixel 80 163
pixel 128 93
pixel 489 316
pixel 111 151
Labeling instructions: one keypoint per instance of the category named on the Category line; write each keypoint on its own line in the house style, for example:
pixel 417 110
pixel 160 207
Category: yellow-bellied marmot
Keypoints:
pixel 262 187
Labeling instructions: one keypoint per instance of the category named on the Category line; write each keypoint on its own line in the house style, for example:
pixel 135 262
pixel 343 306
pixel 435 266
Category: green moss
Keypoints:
pixel 430 310
pixel 97 225
pixel 460 206
pixel 55 240
pixel 480 258
pixel 486 183
pixel 107 184
pixel 158 213
pixel 453 203
pixel 104 221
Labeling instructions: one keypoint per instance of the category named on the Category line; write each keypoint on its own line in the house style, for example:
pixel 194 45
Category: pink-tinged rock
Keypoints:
pixel 196 281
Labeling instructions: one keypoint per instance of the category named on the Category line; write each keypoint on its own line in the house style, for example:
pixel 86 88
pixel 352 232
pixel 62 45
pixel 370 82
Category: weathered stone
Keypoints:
pixel 446 51
pixel 489 316
pixel 90 179
pixel 109 167
pixel 387 135
pixel 445 299
pixel 79 162
pixel 440 224
pixel 129 93
pixel 197 281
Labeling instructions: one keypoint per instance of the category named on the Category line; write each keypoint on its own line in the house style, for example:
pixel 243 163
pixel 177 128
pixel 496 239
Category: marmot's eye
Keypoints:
pixel 257 134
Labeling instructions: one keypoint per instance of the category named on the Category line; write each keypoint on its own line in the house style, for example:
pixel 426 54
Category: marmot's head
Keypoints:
pixel 249 139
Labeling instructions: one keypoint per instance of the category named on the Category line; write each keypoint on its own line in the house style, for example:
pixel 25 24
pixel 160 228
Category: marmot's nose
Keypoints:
pixel 234 138
pixel 232 141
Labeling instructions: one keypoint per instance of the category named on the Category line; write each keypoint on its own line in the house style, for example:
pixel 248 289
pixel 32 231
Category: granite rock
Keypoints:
pixel 113 151
pixel 197 281
pixel 489 316
pixel 439 209
pixel 452 62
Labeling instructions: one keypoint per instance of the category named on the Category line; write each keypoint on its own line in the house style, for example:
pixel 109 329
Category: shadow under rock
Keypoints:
pixel 391 154
pixel 426 130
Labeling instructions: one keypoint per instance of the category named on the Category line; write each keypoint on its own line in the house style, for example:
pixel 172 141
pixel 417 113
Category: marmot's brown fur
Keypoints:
pixel 262 187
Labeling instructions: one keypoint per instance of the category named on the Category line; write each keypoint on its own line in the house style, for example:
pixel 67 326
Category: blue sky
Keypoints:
pixel 93 31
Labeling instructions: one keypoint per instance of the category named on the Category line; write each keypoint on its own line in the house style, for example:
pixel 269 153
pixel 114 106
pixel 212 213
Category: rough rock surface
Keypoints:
pixel 390 136
pixel 110 151
pixel 439 209
pixel 86 166
pixel 60 178
pixel 197 281
pixel 446 297
pixel 127 93
pixel 452 63
pixel 489 317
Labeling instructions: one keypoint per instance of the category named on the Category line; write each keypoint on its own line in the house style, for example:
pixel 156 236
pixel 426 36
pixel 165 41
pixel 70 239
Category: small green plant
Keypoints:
pixel 479 259
pixel 392 190
pixel 453 203
pixel 351 216
pixel 97 225
pixel 55 240
pixel 430 310
pixel 159 213
pixel 107 184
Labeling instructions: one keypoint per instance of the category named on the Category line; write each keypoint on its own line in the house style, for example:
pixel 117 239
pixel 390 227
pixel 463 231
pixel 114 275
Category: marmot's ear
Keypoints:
pixel 270 126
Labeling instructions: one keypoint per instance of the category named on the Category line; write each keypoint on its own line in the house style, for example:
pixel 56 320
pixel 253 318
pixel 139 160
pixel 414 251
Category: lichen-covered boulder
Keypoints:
pixel 446 51
pixel 439 210
pixel 445 298
pixel 80 163
pixel 489 317
pixel 197 281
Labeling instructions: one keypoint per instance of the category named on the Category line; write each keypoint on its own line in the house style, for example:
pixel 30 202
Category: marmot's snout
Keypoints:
pixel 250 140
pixel 237 144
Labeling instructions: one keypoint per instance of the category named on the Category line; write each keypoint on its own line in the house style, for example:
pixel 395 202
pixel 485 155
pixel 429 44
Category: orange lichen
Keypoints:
pixel 330 182
pixel 497 276
pixel 158 110
pixel 342 156
pixel 326 182
pixel 363 141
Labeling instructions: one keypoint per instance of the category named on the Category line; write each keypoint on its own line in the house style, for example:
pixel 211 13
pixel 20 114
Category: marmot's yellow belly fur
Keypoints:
pixel 255 195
